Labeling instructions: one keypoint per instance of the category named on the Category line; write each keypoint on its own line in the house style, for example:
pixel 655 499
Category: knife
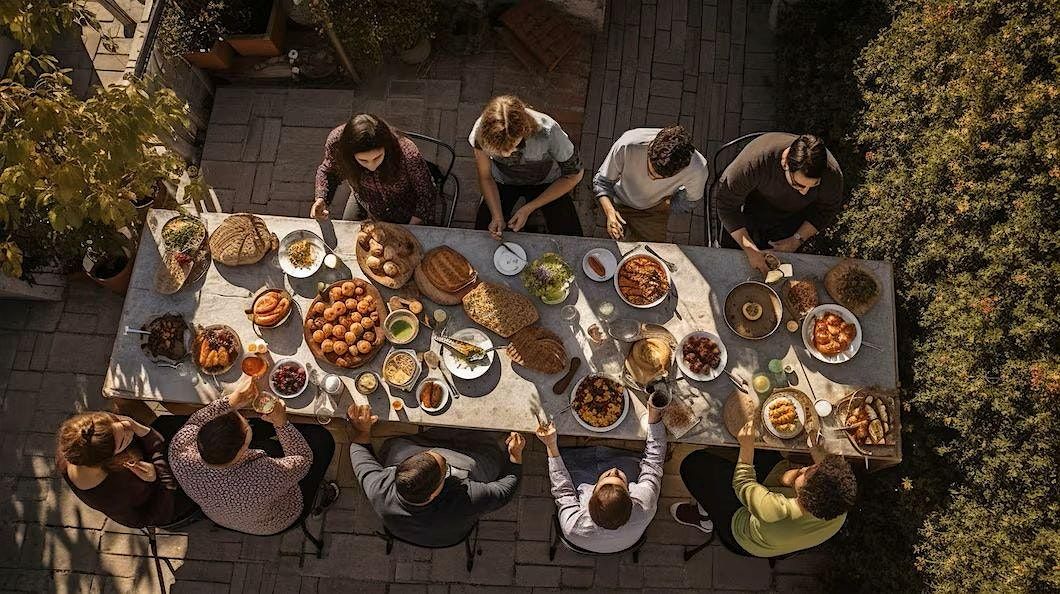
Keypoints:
pixel 504 244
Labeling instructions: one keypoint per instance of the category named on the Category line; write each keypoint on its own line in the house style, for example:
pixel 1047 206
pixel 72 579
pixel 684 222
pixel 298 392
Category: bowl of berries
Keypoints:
pixel 288 378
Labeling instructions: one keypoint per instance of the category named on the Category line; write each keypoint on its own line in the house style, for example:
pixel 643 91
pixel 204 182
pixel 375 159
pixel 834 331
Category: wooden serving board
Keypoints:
pixel 407 263
pixel 855 398
pixel 355 359
pixel 831 284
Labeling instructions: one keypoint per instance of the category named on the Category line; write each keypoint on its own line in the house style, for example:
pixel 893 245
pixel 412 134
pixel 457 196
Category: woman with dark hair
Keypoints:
pixel 387 174
pixel 118 466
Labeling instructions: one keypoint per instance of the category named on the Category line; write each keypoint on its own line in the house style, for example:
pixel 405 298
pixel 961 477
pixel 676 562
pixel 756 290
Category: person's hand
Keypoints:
pixel 278 415
pixel 788 244
pixel 243 393
pixel 654 414
pixel 145 471
pixel 746 435
pixel 496 227
pixel 757 260
pixel 615 226
pixel 518 220
pixel 515 443
pixel 361 419
pixel 131 424
pixel 547 435
pixel 319 211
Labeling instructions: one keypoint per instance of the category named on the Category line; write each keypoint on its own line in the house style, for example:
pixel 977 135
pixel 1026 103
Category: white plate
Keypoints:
pixel 636 254
pixel 799 412
pixel 319 251
pixel 272 373
pixel 713 373
pixel 506 263
pixel 606 257
pixel 445 395
pixel 461 368
pixel 807 333
pixel 621 417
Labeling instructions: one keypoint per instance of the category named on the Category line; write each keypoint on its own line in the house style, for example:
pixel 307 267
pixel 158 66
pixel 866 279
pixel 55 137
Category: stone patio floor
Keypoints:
pixel 705 64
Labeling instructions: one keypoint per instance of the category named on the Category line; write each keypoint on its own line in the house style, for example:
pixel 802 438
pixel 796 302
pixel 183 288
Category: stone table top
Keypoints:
pixel 505 399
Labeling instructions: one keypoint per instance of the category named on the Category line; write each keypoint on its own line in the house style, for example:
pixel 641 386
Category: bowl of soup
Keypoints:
pixel 401 326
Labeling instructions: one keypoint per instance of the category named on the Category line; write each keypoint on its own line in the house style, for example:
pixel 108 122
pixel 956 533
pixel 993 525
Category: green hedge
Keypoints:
pixel 950 118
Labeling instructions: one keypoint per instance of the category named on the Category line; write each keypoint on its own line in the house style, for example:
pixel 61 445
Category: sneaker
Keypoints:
pixel 688 514
pixel 329 493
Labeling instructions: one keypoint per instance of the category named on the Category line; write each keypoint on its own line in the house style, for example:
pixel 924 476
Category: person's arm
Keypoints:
pixel 369 472
pixel 490 193
pixel 764 504
pixel 153 446
pixel 563 491
pixel 327 178
pixel 562 150
pixel 604 187
pixel 648 485
pixel 422 184
pixel 486 497
pixel 819 215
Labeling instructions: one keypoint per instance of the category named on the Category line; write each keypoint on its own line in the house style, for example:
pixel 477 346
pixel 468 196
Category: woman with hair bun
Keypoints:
pixel 118 467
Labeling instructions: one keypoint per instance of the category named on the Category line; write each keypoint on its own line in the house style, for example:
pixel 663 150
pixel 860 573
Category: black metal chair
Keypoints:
pixel 691 551
pixel 151 532
pixel 442 178
pixel 556 537
pixel 470 542
pixel 712 221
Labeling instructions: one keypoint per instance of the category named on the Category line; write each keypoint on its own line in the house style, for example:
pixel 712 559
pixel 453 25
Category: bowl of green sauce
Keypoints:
pixel 401 326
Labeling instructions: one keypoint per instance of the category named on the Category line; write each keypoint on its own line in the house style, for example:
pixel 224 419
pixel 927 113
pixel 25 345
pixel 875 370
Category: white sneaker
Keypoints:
pixel 689 515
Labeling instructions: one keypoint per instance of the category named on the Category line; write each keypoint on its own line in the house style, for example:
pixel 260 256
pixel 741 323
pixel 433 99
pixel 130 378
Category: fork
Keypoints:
pixel 669 265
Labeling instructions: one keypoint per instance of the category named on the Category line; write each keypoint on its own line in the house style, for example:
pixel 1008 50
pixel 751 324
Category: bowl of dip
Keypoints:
pixel 401 326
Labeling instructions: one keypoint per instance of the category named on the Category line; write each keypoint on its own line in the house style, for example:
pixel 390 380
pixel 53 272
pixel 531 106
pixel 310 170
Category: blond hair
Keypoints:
pixel 504 122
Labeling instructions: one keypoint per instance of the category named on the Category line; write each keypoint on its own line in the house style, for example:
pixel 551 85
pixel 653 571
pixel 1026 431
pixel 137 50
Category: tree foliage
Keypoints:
pixel 957 119
pixel 34 23
pixel 69 168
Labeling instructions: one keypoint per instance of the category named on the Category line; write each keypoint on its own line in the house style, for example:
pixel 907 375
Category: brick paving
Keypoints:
pixel 709 65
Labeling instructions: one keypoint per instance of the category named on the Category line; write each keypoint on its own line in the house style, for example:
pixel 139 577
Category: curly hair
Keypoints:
pixel 504 122
pixel 831 490
pixel 670 151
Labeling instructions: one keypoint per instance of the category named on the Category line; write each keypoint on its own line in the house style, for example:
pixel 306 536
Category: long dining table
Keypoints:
pixel 507 397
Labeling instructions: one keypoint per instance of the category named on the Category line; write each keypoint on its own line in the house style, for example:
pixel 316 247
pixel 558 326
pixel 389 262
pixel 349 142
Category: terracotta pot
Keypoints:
pixel 219 57
pixel 118 282
pixel 267 44
pixel 418 53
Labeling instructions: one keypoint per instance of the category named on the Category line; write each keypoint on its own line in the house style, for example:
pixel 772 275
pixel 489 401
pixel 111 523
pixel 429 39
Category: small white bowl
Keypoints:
pixel 445 395
pixel 282 363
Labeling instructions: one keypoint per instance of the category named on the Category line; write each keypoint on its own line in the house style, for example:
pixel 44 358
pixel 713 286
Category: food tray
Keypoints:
pixel 583 423
pixel 358 359
pixel 831 284
pixel 762 294
pixel 855 398
pixel 161 358
pixel 409 261
pixel 665 271
pixel 233 357
pixel 811 422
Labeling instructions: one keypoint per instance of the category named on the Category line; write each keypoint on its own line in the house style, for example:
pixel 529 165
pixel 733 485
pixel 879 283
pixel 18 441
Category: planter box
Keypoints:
pixel 267 44
pixel 219 57
pixel 47 286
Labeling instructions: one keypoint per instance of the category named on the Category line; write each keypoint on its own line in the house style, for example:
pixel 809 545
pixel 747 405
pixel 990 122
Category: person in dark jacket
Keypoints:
pixel 427 491
pixel 118 467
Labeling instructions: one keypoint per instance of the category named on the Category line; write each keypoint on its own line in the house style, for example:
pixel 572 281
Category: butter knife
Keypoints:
pixel 504 244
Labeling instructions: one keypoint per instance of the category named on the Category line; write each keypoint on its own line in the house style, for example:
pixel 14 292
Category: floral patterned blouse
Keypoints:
pixel 412 192
pixel 257 494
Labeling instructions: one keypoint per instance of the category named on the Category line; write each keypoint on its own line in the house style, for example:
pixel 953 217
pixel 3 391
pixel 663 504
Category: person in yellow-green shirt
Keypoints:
pixel 794 508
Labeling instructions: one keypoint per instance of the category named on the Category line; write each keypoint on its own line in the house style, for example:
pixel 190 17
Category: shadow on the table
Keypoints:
pixel 266 273
pixel 481 386
pixel 287 337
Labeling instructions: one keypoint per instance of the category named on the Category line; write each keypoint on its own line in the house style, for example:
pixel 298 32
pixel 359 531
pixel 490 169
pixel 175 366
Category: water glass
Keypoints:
pixel 324 408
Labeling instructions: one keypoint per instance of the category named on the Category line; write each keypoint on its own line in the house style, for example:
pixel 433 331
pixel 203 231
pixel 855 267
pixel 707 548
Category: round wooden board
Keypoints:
pixel 739 408
pixel 435 294
pixel 358 359
pixel 408 263
pixel 831 285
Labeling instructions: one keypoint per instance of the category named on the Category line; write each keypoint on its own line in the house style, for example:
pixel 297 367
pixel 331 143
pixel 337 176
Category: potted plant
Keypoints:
pixel 257 27
pixel 197 35
pixel 408 26
pixel 70 169
pixel 548 278
pixel 109 256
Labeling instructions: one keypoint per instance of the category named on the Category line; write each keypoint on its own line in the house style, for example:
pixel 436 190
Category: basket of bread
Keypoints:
pixel 868 418
pixel 387 253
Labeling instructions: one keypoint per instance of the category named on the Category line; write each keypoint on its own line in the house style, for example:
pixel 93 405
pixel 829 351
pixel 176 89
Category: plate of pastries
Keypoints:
pixel 783 416
pixel 343 324
pixel 216 348
pixel 831 333
pixel 387 253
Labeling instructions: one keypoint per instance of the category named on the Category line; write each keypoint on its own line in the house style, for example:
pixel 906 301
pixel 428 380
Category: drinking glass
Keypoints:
pixel 569 314
pixel 624 329
pixel 324 408
pixel 264 402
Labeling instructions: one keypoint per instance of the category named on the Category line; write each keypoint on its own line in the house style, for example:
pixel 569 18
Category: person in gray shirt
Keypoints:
pixel 522 153
pixel 427 491
pixel 780 191
pixel 640 180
